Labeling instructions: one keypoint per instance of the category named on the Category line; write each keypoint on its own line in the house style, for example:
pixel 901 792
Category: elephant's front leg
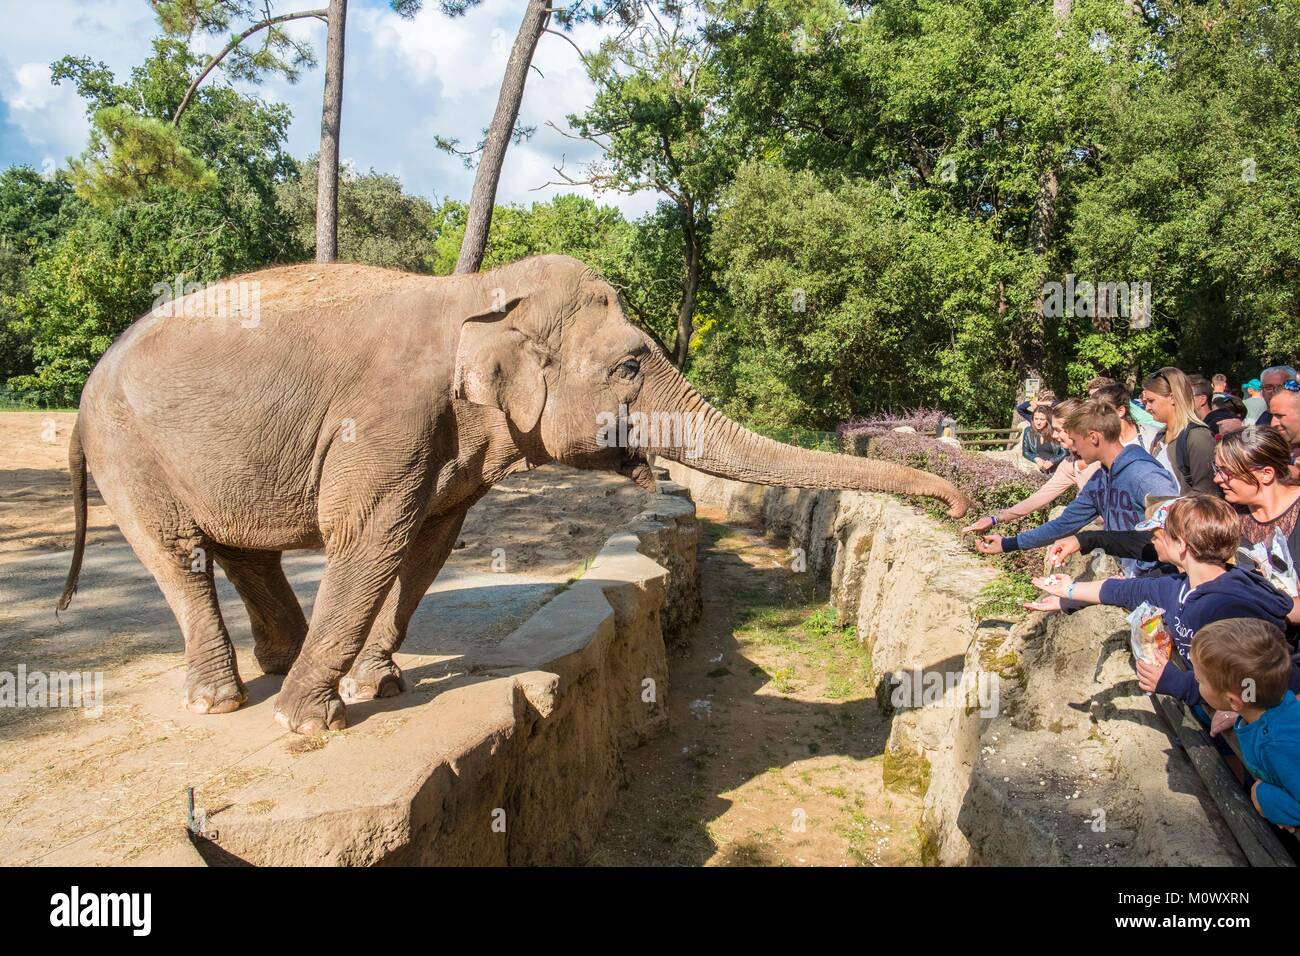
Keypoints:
pixel 357 576
pixel 374 674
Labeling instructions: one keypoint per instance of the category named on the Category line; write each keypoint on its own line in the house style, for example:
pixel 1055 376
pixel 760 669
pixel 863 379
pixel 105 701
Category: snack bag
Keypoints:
pixel 1148 636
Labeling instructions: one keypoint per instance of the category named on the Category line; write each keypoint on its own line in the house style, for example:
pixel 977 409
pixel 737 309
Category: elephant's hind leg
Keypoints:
pixel 373 673
pixel 181 563
pixel 278 624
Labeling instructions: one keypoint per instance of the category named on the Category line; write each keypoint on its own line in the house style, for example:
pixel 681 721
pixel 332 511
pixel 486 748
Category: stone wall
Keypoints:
pixel 518 760
pixel 1062 760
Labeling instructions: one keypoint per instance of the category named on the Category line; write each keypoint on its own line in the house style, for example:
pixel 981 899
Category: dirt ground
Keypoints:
pixel 35 494
pixel 775 756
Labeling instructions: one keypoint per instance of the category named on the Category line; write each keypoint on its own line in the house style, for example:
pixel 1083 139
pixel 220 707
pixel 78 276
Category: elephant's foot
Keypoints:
pixel 371 679
pixel 306 710
pixel 276 656
pixel 219 696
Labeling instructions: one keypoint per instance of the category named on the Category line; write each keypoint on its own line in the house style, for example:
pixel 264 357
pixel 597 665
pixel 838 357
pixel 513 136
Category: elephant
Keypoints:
pixel 363 411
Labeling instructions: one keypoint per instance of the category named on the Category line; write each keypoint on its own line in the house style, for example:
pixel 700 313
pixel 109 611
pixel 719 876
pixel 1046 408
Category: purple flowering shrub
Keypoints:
pixel 990 483
pixel 857 432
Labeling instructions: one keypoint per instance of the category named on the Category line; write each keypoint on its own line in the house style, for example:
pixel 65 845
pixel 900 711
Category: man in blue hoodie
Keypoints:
pixel 1117 493
pixel 1199 535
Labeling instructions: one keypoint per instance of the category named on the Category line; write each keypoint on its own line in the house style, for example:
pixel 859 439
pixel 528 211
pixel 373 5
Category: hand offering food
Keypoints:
pixel 1062 549
pixel 1048 603
pixel 1054 584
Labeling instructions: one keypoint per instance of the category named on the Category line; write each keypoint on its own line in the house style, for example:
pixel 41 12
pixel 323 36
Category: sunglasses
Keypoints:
pixel 1291 386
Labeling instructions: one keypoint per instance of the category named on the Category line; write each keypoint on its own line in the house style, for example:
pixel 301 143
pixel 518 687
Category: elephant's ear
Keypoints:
pixel 500 366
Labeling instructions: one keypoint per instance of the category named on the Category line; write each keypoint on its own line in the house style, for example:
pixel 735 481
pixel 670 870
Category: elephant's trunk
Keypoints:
pixel 728 450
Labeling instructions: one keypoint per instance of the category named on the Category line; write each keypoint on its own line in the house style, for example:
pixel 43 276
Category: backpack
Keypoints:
pixel 1181 459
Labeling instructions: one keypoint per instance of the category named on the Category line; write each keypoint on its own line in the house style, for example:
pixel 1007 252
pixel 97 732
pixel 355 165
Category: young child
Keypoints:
pixel 1117 492
pixel 1199 535
pixel 1243 666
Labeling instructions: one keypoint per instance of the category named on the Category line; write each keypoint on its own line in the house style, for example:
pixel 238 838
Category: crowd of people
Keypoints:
pixel 1196 492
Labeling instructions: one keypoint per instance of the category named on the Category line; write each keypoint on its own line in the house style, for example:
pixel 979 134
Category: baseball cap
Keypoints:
pixel 1158 517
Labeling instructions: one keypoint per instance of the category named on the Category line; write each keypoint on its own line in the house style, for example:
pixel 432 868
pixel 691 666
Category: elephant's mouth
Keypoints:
pixel 634 465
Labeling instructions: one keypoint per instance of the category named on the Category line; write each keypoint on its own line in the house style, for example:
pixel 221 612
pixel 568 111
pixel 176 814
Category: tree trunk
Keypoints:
pixel 499 133
pixel 690 286
pixel 1041 224
pixel 331 118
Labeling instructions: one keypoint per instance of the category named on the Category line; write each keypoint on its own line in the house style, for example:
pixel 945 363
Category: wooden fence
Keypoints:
pixel 988 439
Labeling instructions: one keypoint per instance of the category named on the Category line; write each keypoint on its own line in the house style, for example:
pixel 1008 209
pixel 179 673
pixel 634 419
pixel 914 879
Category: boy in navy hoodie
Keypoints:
pixel 1243 668
pixel 1198 534
pixel 1117 493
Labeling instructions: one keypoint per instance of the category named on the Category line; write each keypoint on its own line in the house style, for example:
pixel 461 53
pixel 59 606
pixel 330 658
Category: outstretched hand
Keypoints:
pixel 1221 721
pixel 1054 584
pixel 982 525
pixel 1062 549
pixel 1047 602
pixel 989 544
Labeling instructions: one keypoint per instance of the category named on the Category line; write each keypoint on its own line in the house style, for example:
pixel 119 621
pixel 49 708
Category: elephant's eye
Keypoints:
pixel 629 369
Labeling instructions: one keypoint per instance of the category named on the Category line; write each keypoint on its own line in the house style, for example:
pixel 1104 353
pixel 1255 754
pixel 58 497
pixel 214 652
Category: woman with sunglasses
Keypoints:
pixel 1253 467
pixel 1186 446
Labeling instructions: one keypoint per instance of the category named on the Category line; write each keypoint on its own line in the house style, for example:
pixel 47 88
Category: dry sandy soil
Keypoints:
pixel 35 495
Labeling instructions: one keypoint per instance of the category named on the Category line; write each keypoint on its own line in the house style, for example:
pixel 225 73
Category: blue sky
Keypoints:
pixel 405 81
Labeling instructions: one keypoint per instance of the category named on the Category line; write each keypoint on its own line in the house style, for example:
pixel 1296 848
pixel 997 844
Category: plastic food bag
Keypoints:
pixel 1273 560
pixel 1148 635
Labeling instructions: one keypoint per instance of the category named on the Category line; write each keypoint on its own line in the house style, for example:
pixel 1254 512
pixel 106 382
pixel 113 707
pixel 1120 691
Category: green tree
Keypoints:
pixel 378 223
pixel 137 143
pixel 657 121
pixel 1197 188
pixel 34 212
pixel 849 298
pixel 101 273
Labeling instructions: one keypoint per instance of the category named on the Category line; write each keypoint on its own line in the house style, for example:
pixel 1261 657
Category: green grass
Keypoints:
pixel 1005 596
pixel 906 771
pixel 795 620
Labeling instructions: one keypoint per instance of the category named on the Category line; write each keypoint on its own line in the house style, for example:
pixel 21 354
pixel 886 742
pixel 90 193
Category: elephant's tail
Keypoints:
pixel 77 468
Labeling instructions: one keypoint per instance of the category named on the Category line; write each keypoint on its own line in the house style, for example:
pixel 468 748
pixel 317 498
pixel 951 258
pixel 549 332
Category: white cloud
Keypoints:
pixel 51 118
